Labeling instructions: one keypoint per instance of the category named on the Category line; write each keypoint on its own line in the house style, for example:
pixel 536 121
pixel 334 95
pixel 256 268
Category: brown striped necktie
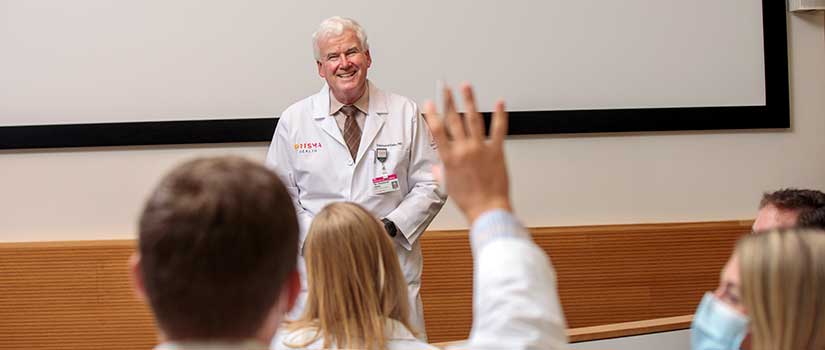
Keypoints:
pixel 352 132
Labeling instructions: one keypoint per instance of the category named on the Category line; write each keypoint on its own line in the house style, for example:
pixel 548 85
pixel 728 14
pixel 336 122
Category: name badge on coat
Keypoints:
pixel 385 182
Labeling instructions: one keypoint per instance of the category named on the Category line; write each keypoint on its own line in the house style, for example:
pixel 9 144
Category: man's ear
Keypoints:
pixel 293 289
pixel 137 277
pixel 284 303
pixel 320 69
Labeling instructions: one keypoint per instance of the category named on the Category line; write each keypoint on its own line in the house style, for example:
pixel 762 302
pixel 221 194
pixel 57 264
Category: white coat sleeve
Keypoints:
pixel 424 200
pixel 279 159
pixel 515 300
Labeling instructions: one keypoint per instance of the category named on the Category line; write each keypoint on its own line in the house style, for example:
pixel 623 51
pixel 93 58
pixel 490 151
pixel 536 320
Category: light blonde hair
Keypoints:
pixel 354 279
pixel 783 287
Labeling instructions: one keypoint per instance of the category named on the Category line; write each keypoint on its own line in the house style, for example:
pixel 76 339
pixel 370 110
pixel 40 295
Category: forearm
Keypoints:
pixel 414 214
pixel 424 198
pixel 515 300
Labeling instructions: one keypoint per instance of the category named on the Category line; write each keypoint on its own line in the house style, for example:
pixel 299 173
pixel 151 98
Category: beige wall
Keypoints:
pixel 79 194
pixel 674 340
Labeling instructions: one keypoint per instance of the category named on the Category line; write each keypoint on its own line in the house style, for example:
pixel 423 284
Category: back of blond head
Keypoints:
pixel 783 279
pixel 354 278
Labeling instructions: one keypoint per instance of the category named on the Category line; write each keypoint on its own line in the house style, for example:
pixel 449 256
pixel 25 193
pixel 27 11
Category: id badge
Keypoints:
pixel 384 184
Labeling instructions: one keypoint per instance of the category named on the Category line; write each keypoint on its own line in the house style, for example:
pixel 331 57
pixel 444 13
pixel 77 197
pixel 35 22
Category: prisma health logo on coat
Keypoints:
pixel 307 147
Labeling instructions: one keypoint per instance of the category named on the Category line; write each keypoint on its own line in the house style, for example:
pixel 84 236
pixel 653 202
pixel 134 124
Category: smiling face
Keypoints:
pixel 344 64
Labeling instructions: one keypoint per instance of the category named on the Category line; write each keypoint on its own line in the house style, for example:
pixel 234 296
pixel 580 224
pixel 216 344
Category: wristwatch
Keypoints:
pixel 390 227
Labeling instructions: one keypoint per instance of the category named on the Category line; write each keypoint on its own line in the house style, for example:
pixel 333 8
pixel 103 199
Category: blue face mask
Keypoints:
pixel 717 326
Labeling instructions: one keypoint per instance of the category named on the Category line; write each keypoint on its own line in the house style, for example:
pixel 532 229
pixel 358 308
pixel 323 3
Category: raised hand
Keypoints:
pixel 474 167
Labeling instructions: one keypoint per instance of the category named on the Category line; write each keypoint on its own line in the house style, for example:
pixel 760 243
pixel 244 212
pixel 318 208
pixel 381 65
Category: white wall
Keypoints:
pixel 80 194
pixel 253 59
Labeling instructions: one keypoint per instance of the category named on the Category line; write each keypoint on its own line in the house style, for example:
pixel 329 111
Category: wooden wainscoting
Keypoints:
pixel 77 295
pixel 606 274
pixel 71 295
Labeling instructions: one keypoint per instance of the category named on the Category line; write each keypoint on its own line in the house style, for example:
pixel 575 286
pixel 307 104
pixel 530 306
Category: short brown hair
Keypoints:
pixel 218 238
pixel 809 205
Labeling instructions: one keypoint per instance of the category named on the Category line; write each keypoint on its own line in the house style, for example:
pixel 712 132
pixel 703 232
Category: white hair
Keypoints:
pixel 335 26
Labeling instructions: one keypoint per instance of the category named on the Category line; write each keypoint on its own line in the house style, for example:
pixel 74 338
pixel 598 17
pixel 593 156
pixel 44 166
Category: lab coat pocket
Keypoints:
pixel 387 161
pixel 388 178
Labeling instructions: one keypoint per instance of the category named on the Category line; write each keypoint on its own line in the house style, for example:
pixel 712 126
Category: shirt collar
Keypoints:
pixel 363 103
pixel 396 330
pixel 393 329
pixel 250 344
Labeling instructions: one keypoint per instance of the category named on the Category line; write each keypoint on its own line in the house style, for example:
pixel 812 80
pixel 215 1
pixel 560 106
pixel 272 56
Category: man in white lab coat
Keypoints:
pixel 213 229
pixel 354 142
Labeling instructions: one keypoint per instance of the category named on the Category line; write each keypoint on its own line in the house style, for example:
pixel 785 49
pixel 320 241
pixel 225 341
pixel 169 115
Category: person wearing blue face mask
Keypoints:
pixel 770 290
pixel 720 321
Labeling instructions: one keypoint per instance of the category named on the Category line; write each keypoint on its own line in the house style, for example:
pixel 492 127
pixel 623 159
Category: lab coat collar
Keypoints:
pixel 206 345
pixel 372 124
pixel 320 103
pixel 320 112
pixel 375 119
pixel 377 103
pixel 396 330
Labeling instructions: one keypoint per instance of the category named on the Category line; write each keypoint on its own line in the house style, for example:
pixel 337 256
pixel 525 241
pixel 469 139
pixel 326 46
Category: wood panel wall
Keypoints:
pixel 71 295
pixel 606 274
pixel 77 295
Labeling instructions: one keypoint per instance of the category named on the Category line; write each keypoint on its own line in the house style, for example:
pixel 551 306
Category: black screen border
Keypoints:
pixel 775 114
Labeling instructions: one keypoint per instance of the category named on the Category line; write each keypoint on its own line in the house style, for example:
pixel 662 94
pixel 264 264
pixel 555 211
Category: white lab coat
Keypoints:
pixel 308 151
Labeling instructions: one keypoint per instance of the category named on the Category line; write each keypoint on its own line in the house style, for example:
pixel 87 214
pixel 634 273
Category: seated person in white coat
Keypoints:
pixel 216 255
pixel 357 294
pixel 515 300
pixel 353 142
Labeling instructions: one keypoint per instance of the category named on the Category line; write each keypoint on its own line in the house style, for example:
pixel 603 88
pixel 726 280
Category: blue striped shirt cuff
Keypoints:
pixel 493 225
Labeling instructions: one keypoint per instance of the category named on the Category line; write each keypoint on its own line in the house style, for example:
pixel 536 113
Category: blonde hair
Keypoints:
pixel 783 287
pixel 354 279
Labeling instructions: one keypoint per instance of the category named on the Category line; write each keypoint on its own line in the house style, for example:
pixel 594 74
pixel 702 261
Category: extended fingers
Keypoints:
pixel 498 127
pixel 455 127
pixel 436 127
pixel 472 119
